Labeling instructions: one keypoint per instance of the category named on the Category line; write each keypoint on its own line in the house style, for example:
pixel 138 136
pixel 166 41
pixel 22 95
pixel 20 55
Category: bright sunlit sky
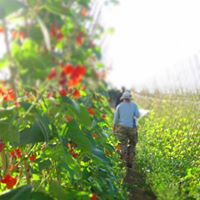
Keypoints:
pixel 152 38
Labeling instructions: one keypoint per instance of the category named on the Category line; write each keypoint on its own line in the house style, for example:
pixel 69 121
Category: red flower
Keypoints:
pixel 11 94
pixel 16 153
pixel 2 30
pixel 63 92
pixel 2 145
pixel 74 74
pixel 21 35
pixel 17 104
pixel 76 94
pixel 50 95
pixel 67 70
pixel 2 92
pixel 75 155
pixel 9 181
pixel 91 111
pixel 52 74
pixel 69 145
pixel 77 75
pixel 14 35
pixel 94 136
pixel 11 169
pixel 73 82
pixel 53 31
pixel 84 12
pixel 60 36
pixel 71 151
pixel 32 158
pixel 6 98
pixel 94 197
pixel 62 81
pixel 80 39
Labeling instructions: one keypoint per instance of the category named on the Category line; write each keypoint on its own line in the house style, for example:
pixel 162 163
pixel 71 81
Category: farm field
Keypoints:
pixel 169 146
pixel 56 117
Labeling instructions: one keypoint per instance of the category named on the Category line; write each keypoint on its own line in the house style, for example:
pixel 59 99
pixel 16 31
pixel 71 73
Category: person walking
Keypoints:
pixel 125 127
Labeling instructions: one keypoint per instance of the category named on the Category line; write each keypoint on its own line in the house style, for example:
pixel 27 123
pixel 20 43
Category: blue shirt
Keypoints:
pixel 126 114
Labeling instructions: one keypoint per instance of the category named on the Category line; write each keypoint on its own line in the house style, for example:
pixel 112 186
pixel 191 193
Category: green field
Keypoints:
pixel 169 146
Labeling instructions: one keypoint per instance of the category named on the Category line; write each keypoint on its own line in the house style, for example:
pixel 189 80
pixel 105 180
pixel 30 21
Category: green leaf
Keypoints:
pixel 84 116
pixel 98 52
pixel 18 194
pixel 24 193
pixel 75 106
pixel 59 193
pixel 31 135
pixel 4 63
pixel 38 132
pixel 68 27
pixel 44 164
pixel 40 196
pixel 25 105
pixel 78 137
pixel 100 65
pixel 31 62
pixel 84 2
pixel 55 7
pixel 9 131
pixel 6 113
pixel 99 155
pixel 8 125
pixel 9 6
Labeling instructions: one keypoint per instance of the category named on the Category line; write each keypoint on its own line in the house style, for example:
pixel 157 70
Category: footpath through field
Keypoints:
pixel 135 182
pixel 137 188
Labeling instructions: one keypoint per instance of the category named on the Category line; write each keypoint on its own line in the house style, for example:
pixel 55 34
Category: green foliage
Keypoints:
pixel 25 193
pixel 8 7
pixel 169 150
pixel 55 119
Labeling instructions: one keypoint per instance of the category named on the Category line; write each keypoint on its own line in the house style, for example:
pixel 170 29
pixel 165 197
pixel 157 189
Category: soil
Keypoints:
pixel 137 188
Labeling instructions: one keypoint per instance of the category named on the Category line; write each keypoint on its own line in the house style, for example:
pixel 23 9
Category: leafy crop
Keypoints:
pixel 169 149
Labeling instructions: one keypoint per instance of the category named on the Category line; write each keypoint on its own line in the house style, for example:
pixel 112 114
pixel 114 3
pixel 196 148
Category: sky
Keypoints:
pixel 154 41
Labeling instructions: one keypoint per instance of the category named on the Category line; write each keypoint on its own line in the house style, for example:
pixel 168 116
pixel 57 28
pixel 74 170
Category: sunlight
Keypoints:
pixel 152 40
pixel 2 46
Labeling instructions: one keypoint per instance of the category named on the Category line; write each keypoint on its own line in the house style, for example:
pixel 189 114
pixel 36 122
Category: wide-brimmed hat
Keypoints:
pixel 126 95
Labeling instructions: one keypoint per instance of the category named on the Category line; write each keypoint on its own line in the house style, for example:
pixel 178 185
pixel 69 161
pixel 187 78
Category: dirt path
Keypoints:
pixel 136 186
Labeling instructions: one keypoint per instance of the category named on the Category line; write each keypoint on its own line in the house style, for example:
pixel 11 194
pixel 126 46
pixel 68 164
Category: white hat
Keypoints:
pixel 126 95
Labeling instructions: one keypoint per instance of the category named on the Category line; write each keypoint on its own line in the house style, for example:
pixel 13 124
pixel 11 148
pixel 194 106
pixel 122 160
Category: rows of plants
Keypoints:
pixel 55 119
pixel 169 149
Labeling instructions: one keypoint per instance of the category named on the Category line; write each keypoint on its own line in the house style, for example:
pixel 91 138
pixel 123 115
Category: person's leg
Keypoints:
pixel 122 136
pixel 132 136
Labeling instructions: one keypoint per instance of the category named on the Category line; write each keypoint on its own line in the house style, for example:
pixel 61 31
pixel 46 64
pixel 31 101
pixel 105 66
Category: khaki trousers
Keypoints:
pixel 128 140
